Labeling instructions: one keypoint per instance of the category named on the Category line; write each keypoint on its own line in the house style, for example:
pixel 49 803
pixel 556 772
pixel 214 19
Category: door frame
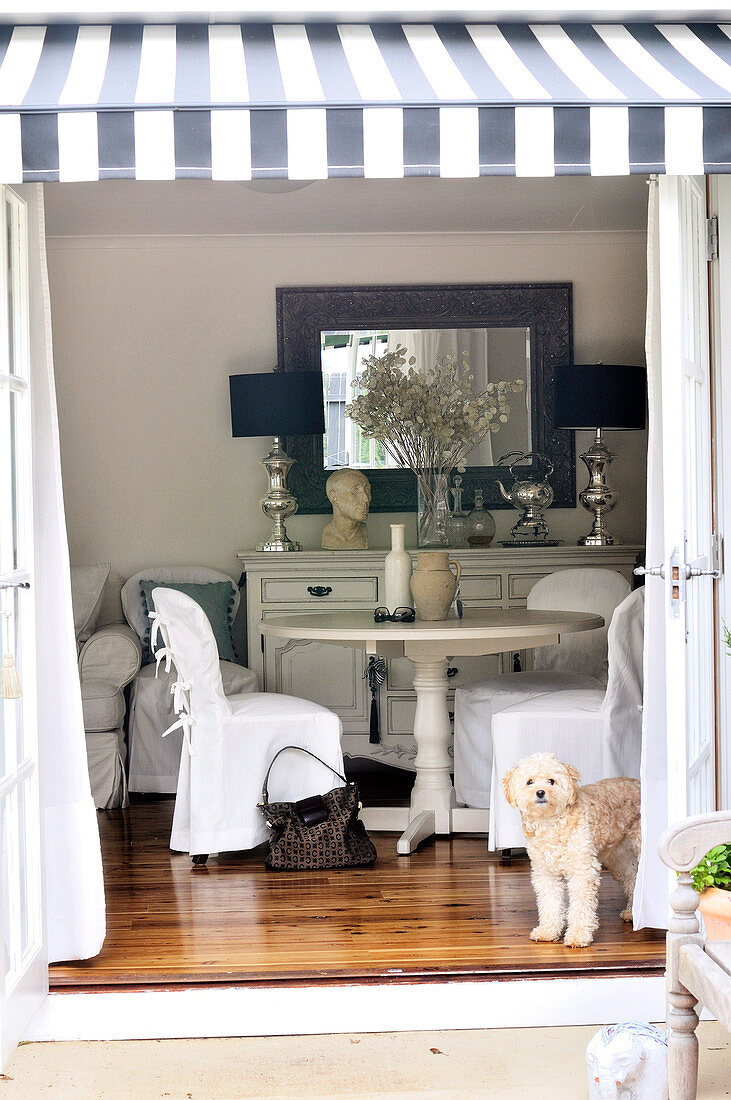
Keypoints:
pixel 73 1016
pixel 25 988
pixel 719 205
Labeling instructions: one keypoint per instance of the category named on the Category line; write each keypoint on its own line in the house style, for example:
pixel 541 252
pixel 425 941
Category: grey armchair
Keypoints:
pixel 109 658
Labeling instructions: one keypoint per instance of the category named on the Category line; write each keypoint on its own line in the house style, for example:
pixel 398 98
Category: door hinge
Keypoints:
pixel 712 238
pixel 717 554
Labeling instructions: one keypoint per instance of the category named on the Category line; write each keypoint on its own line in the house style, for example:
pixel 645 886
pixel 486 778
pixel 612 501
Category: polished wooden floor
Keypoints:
pixel 449 909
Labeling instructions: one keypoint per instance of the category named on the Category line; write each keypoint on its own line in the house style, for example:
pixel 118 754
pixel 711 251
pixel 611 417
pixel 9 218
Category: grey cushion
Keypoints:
pixel 215 598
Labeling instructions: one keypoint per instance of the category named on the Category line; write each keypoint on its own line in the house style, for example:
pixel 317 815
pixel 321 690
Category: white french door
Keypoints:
pixel 24 971
pixel 687 496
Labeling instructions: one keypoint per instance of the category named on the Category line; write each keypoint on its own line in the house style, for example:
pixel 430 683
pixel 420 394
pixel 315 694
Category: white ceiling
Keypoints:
pixel 490 204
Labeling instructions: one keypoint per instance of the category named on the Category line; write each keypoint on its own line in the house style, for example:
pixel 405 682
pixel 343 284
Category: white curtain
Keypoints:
pixel 75 911
pixel 650 903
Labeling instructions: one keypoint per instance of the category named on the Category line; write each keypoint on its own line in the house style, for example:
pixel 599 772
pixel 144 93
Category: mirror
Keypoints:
pixel 490 354
pixel 509 330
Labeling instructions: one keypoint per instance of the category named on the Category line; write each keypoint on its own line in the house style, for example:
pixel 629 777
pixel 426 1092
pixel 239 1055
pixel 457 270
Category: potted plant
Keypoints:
pixel 712 880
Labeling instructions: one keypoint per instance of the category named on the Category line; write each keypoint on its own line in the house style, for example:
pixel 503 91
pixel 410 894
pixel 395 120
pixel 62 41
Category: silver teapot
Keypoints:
pixel 530 495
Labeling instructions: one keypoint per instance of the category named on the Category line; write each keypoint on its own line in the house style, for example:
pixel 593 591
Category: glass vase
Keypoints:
pixel 457 520
pixel 432 509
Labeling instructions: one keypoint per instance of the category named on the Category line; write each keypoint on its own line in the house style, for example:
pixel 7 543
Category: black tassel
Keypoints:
pixel 375 674
pixel 375 737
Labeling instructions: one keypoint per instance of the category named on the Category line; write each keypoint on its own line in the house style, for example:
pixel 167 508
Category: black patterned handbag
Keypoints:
pixel 319 832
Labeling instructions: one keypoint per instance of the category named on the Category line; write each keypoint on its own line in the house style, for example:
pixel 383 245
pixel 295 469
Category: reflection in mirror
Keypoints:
pixel 491 355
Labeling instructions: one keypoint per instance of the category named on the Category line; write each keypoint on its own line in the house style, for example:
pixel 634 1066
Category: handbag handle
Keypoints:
pixel 265 792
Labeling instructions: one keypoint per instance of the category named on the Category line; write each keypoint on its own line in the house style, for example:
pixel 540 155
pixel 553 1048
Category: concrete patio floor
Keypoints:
pixel 545 1063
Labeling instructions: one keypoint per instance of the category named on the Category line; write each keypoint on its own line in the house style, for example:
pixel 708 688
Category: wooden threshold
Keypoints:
pixel 450 911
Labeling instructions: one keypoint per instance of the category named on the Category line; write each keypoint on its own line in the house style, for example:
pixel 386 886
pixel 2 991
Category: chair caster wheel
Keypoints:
pixel 200 861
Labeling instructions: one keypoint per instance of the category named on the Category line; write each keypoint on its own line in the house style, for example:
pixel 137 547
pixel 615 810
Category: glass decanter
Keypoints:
pixel 480 524
pixel 457 526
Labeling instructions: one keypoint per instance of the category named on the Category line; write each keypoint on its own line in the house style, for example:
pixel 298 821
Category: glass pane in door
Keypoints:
pixel 16 632
pixel 14 479
pixel 11 893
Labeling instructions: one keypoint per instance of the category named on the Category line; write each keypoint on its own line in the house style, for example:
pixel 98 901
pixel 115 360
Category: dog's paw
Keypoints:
pixel 626 914
pixel 578 938
pixel 545 935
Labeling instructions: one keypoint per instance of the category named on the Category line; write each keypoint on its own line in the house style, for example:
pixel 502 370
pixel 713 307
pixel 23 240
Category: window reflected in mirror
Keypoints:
pixel 491 355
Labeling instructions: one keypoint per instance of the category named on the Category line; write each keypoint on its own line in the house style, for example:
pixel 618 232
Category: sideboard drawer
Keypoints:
pixel 520 584
pixel 320 590
pixel 481 587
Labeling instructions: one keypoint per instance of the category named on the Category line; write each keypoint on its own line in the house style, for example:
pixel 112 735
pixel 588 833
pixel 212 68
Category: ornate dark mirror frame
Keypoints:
pixel 545 308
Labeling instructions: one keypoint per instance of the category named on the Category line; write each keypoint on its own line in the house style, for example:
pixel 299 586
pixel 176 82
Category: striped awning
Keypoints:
pixel 383 100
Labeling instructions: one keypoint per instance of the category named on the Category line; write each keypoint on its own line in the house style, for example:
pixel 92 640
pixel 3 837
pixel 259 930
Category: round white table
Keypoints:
pixel 428 645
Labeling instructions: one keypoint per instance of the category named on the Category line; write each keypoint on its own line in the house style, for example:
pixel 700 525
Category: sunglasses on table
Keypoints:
pixel 400 615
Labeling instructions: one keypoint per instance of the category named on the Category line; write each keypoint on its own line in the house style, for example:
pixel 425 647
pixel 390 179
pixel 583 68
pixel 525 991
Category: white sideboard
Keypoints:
pixel 317 580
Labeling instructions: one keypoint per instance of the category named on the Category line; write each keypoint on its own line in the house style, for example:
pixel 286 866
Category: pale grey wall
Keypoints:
pixel 147 330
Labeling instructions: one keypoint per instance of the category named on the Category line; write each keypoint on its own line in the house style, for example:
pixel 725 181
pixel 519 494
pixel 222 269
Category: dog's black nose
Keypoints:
pixel 540 794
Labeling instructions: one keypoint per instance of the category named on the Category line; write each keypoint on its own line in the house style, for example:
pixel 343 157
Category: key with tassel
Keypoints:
pixel 375 673
pixel 9 680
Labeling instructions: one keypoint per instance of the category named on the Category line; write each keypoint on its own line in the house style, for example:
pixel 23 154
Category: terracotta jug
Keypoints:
pixel 433 584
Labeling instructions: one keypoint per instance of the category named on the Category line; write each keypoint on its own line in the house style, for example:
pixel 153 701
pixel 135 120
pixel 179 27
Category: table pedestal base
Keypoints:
pixel 417 825
pixel 433 808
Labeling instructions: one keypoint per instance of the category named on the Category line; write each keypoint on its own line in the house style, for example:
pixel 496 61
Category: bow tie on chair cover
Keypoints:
pixel 179 690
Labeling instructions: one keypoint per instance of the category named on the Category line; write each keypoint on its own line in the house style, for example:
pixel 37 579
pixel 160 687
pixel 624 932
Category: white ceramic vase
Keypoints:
pixel 398 571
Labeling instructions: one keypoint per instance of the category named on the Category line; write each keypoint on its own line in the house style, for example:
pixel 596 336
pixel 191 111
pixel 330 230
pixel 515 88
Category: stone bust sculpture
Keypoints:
pixel 349 492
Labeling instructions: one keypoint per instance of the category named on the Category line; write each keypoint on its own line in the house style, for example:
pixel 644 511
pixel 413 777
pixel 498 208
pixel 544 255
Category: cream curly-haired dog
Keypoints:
pixel 570 832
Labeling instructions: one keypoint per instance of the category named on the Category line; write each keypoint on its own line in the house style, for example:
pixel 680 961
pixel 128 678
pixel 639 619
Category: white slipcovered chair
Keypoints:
pixel 578 663
pixel 153 760
pixel 598 730
pixel 229 741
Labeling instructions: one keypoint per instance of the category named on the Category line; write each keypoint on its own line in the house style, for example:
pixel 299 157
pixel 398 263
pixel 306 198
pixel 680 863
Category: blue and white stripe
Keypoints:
pixel 308 101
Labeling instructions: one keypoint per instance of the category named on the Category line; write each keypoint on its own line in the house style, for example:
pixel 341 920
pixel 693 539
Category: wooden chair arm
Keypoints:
pixel 683 846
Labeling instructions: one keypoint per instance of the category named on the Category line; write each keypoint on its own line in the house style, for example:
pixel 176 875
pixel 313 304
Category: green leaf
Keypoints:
pixel 715 867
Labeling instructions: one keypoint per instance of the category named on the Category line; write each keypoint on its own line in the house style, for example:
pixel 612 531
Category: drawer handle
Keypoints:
pixel 319 589
pixel 452 672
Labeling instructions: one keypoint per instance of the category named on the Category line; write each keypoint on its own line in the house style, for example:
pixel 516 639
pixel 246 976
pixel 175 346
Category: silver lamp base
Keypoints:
pixel 279 545
pixel 278 504
pixel 598 497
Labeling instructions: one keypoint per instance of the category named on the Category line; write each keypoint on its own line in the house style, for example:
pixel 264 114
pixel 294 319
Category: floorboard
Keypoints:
pixel 449 909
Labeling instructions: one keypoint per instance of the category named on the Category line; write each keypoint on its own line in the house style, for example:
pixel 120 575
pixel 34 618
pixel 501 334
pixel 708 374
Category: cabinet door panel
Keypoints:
pixel 327 674
pixel 401 711
pixel 520 584
pixel 475 589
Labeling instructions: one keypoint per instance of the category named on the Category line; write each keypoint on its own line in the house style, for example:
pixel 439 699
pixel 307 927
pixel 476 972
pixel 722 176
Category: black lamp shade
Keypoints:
pixel 599 395
pixel 281 403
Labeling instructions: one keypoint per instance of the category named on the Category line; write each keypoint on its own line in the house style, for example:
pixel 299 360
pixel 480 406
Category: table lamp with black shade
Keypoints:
pixel 587 397
pixel 277 403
